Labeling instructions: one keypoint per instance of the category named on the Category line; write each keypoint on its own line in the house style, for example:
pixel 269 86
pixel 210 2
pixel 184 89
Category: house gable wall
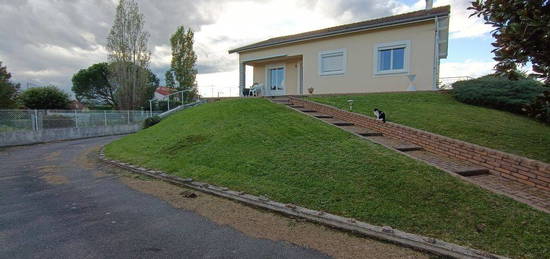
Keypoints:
pixel 359 76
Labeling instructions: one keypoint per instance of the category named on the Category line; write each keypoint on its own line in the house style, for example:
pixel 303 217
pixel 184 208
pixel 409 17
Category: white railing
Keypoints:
pixel 214 92
pixel 172 101
pixel 447 82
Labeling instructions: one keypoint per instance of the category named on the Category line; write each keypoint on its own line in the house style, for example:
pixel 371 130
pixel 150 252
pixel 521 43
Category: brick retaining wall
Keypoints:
pixel 520 169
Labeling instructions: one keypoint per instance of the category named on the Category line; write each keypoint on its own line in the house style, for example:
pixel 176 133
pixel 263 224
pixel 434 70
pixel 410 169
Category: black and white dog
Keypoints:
pixel 380 115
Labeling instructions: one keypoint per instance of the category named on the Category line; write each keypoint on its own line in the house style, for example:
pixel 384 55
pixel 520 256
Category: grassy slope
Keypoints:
pixel 265 149
pixel 440 113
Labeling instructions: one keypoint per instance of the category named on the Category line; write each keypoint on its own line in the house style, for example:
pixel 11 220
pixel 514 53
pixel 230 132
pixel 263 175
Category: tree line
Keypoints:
pixel 125 81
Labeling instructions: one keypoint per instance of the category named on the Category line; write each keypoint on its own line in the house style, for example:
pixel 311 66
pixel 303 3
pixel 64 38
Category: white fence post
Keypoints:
pixel 75 119
pixel 36 119
pixel 128 117
pixel 105 117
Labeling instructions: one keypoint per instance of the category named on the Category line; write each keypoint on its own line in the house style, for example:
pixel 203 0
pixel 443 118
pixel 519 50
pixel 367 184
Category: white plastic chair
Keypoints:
pixel 256 90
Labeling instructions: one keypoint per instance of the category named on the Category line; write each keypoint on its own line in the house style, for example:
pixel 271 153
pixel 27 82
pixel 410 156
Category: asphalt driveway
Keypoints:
pixel 54 204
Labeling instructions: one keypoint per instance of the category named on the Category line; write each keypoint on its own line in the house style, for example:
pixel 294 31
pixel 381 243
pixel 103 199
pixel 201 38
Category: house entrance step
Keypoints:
pixel 370 133
pixel 365 132
pixel 342 123
pixel 322 116
pixel 460 167
pixel 394 143
pixel 338 122
pixel 407 147
pixel 282 102
pixel 472 171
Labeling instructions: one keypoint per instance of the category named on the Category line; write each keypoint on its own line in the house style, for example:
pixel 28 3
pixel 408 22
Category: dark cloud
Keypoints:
pixel 355 10
pixel 46 41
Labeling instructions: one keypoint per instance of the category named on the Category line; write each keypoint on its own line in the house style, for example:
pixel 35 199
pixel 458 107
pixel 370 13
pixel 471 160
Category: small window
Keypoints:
pixel 391 57
pixel 332 62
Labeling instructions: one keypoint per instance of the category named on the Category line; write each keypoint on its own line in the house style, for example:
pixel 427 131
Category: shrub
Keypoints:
pixel 540 108
pixel 149 122
pixel 49 97
pixel 498 92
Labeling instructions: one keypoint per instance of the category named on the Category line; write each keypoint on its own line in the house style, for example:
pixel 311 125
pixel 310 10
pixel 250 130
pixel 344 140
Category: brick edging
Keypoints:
pixel 520 169
pixel 386 233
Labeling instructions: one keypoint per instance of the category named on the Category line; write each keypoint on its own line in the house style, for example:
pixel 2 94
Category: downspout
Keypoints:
pixel 435 78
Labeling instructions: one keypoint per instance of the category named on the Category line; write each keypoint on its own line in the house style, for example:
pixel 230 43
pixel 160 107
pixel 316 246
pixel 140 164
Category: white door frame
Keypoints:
pixel 300 83
pixel 270 92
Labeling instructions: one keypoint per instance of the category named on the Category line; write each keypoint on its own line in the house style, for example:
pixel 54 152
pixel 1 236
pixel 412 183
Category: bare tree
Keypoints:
pixel 129 56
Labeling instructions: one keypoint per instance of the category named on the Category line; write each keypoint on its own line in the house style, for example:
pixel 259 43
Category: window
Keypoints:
pixel 391 58
pixel 332 62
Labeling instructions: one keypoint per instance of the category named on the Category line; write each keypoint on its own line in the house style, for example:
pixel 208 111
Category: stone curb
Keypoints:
pixel 386 233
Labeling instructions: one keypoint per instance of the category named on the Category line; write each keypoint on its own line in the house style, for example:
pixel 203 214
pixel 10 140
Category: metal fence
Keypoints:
pixel 35 120
pixel 447 82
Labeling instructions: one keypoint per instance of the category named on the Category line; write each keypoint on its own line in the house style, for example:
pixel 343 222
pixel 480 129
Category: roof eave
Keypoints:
pixel 345 31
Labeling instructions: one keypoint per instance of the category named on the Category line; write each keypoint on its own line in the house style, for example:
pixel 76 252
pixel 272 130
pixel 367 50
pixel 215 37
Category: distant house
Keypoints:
pixel 394 53
pixel 76 105
pixel 162 92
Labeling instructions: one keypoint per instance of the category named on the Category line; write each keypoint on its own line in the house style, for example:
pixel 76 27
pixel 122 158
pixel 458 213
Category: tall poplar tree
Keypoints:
pixel 182 72
pixel 129 56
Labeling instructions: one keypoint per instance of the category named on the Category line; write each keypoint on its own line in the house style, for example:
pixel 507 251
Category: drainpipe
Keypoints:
pixel 435 78
pixel 242 77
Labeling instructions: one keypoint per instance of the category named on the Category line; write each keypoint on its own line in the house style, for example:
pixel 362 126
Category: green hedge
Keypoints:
pixel 498 92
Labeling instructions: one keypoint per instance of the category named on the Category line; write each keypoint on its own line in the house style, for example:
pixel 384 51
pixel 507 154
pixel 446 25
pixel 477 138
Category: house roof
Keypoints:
pixel 352 27
pixel 76 105
pixel 163 90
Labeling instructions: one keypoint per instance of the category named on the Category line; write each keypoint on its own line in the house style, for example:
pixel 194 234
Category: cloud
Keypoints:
pixel 471 68
pixel 42 36
pixel 47 41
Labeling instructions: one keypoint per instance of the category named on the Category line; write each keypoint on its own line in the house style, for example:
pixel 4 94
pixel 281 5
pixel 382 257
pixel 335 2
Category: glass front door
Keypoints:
pixel 276 80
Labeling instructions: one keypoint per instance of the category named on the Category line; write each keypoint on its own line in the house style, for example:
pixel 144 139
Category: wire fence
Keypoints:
pixel 446 83
pixel 36 120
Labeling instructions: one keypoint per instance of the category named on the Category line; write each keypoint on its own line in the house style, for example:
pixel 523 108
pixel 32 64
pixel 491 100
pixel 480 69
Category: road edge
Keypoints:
pixel 385 233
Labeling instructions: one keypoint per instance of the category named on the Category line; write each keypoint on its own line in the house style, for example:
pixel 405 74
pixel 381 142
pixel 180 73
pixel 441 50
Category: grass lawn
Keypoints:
pixel 262 148
pixel 440 113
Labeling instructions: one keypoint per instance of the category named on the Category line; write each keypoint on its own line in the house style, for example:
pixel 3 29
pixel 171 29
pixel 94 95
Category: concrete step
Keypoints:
pixel 366 132
pixel 454 165
pixel 343 123
pixel 296 106
pixel 407 147
pixel 285 101
pixel 307 110
pixel 370 133
pixel 322 116
pixel 338 122
pixel 472 171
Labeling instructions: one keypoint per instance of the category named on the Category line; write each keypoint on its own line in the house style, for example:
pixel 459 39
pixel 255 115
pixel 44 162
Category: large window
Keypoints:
pixel 332 62
pixel 392 58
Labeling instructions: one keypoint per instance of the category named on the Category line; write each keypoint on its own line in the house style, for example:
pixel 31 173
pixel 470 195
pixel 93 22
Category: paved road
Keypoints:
pixel 53 204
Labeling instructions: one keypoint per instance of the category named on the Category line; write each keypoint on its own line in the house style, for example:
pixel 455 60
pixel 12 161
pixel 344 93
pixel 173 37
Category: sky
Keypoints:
pixel 47 41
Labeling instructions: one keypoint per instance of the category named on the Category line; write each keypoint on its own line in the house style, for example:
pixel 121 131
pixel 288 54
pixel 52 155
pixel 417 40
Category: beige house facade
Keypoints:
pixel 395 53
